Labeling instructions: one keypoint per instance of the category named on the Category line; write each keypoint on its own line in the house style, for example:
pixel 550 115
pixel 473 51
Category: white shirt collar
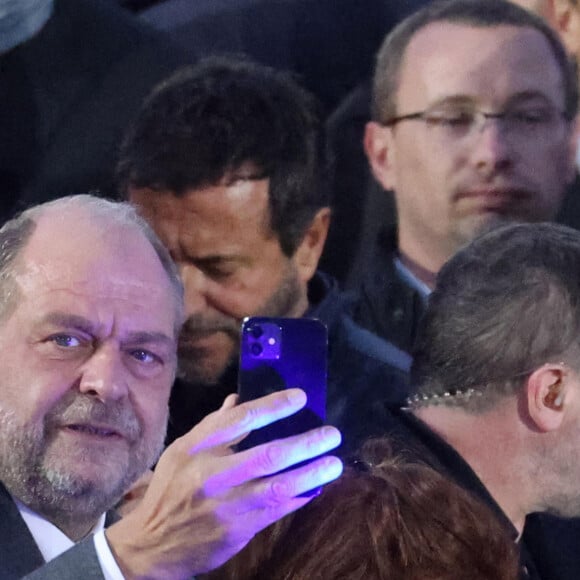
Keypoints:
pixel 51 541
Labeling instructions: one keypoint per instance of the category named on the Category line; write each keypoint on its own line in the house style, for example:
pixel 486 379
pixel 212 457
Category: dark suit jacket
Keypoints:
pixel 548 546
pixel 330 44
pixel 67 96
pixel 20 556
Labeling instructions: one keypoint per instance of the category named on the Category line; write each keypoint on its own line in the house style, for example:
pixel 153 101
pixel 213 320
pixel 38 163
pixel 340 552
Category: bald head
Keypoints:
pixel 82 231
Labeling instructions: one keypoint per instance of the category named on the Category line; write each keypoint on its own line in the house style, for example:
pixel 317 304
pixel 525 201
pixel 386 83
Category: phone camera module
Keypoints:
pixel 262 339
pixel 256 349
pixel 256 331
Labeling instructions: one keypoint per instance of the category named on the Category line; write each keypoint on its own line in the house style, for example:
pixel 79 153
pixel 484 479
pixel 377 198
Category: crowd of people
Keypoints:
pixel 151 204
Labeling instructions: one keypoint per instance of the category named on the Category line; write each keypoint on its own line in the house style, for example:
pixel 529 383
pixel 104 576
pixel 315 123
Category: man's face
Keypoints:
pixel 448 189
pixel 557 457
pixel 87 359
pixel 231 264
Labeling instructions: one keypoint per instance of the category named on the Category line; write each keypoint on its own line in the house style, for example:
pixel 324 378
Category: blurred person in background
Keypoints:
pixel 466 139
pixel 72 74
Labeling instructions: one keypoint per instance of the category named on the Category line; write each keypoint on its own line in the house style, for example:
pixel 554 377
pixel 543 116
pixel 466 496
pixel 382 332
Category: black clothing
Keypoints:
pixel 67 96
pixel 387 304
pixel 329 44
pixel 549 545
pixel 20 556
pixel 364 373
pixel 359 204
pixel 569 213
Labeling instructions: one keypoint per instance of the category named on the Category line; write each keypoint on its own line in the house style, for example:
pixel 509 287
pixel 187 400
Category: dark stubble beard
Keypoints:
pixel 281 303
pixel 39 477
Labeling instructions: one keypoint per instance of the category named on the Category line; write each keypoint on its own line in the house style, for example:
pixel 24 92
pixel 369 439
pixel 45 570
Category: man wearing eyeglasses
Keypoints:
pixel 473 125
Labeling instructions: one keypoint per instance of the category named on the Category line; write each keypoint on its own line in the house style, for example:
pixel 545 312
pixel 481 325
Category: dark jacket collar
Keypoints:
pixel 326 301
pixel 387 304
pixel 411 433
pixel 19 554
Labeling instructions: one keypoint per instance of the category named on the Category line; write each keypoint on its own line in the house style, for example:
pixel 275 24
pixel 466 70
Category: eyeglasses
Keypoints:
pixel 454 123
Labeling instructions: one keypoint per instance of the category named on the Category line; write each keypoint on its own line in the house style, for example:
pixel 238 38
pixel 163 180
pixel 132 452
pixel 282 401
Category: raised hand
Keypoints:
pixel 205 501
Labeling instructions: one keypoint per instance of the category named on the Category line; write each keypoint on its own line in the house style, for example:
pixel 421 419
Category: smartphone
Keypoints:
pixel 282 353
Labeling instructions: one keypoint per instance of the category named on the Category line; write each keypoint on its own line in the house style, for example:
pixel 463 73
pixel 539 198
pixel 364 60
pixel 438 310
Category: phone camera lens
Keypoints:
pixel 257 331
pixel 256 349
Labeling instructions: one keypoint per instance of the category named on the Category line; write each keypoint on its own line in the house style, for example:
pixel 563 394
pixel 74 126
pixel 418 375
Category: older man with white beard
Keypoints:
pixel 90 312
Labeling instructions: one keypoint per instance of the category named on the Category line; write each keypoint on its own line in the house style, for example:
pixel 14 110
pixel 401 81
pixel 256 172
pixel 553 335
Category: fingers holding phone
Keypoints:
pixel 205 501
pixel 276 456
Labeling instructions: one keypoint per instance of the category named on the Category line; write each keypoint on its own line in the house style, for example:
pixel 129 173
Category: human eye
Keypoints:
pixel 146 363
pixel 450 118
pixel 65 345
pixel 530 116
pixel 219 270
pixel 65 340
pixel 145 356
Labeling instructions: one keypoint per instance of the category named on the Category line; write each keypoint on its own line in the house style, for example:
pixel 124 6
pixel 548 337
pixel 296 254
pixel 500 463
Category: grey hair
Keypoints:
pixel 503 306
pixel 15 234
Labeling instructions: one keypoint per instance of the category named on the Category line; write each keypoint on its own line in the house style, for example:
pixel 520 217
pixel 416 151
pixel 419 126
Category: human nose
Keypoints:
pixel 482 119
pixel 103 375
pixel 492 145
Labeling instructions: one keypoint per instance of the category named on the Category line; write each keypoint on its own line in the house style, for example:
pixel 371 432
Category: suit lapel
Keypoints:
pixel 19 554
pixel 111 518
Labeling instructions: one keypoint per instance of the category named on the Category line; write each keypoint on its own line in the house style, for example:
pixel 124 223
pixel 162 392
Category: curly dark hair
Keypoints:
pixel 229 118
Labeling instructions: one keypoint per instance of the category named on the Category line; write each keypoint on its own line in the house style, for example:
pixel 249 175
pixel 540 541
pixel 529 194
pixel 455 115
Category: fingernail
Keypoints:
pixel 333 468
pixel 331 435
pixel 296 396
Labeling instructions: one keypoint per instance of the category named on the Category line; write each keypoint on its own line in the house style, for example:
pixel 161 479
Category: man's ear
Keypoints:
pixel 548 12
pixel 560 12
pixel 547 391
pixel 380 151
pixel 310 249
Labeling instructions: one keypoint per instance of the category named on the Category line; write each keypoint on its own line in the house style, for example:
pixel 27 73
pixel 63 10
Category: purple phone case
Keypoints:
pixel 280 353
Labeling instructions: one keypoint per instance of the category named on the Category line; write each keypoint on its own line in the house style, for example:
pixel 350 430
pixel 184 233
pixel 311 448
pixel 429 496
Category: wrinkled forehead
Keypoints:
pixel 80 255
pixel 98 279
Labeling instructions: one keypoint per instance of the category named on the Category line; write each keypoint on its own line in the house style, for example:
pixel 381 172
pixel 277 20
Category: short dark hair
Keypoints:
pixel 503 306
pixel 213 121
pixel 476 13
